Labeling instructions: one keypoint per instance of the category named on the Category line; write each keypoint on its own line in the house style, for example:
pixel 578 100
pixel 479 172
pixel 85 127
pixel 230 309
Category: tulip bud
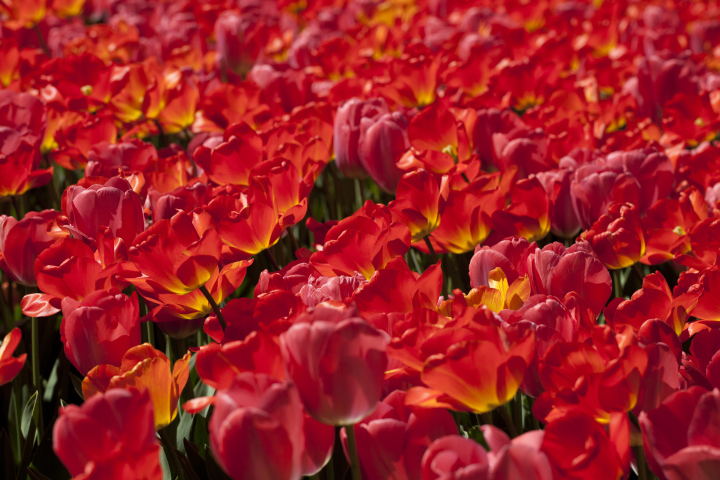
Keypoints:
pixel 337 363
pixel 100 328
pixel 381 142
pixel 347 133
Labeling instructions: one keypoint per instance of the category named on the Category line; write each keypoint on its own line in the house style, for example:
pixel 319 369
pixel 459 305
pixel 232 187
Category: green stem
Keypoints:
pixel 271 259
pixel 431 249
pixel 150 328
pixel 617 287
pixel 37 379
pixel 214 306
pixel 640 462
pixel 171 454
pixel 486 418
pixel 352 450
pixel 508 421
pixel 517 412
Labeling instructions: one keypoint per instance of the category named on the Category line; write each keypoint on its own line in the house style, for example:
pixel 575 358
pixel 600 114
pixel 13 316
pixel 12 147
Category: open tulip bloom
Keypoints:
pixel 367 240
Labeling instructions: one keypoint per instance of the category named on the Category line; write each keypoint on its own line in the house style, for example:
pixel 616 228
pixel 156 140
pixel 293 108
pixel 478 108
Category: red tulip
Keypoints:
pixel 173 257
pixel 109 437
pixel 19 171
pixel 510 255
pixel 455 458
pixel 114 205
pixel 420 202
pixel 564 220
pixel 556 271
pixel 382 141
pixel 527 215
pixel 100 328
pixel 681 437
pixel 231 161
pixel 520 457
pixel 578 447
pixel 392 440
pixel 346 132
pixel 68 268
pixel 258 430
pixel 21 243
pixel 10 366
pixel 617 237
pixel 338 363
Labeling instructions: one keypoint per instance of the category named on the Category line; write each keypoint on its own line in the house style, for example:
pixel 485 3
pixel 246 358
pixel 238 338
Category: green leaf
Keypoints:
pixel 184 428
pixel 476 434
pixel 200 433
pixel 28 414
pixel 51 383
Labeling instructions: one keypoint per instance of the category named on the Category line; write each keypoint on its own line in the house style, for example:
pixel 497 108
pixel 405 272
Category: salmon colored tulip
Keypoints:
pixel 143 367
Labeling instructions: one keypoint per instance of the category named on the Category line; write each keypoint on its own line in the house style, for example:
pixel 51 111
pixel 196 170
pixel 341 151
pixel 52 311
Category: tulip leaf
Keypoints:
pixel 35 475
pixel 476 434
pixel 51 383
pixel 183 429
pixel 28 413
pixel 200 433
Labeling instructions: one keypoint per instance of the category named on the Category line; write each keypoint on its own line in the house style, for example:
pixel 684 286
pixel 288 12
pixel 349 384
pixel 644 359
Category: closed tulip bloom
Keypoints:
pixel 110 437
pixel 337 363
pixel 259 430
pixel 100 328
pixel 10 366
pixel 519 458
pixel 22 241
pixel 556 271
pixel 382 141
pixel 347 133
pixel 114 205
pixel 146 368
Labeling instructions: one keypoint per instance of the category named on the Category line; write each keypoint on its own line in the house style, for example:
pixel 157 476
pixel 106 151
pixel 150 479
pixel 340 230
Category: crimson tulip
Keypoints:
pixel 109 437
pixel 100 328
pixel 10 366
pixel 337 362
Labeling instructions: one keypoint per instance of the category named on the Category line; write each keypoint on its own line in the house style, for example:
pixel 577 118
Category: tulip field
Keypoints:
pixel 360 239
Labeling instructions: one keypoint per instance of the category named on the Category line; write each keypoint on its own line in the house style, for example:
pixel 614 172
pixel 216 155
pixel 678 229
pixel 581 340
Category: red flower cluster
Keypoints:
pixel 431 239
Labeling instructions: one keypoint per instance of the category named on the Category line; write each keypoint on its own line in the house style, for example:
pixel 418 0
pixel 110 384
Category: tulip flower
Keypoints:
pixel 458 357
pixel 19 171
pixel 520 457
pixel 173 257
pixel 382 141
pixel 681 437
pixel 230 162
pixel 527 215
pixel 346 133
pixel 111 436
pixel 420 202
pixel 617 238
pixel 564 220
pixel 114 205
pixel 267 416
pixel 68 268
pixel 338 365
pixel 364 243
pixel 100 328
pixel 22 241
pixel 392 440
pixel 556 271
pixel 570 441
pixel 510 255
pixel 10 366
pixel 145 368
pixel 455 458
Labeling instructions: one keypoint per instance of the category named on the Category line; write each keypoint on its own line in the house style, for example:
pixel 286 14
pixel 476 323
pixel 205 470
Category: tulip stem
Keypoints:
pixel 41 40
pixel 517 412
pixel 640 462
pixel 430 248
pixel 150 327
pixel 508 421
pixel 617 285
pixel 214 306
pixel 271 259
pixel 171 454
pixel 486 418
pixel 16 206
pixel 37 380
pixel 352 450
